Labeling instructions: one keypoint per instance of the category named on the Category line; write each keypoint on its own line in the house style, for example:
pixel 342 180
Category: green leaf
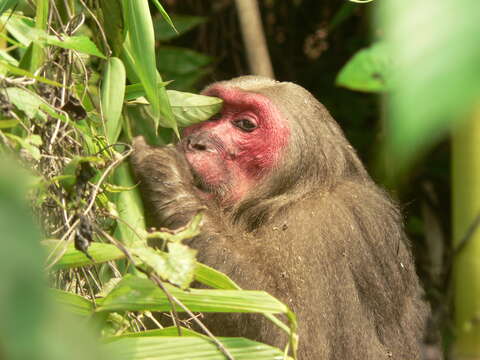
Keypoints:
pixel 79 43
pixel 168 331
pixel 136 90
pixel 164 14
pixel 18 71
pixel 26 101
pixel 139 294
pixel 369 70
pixel 74 303
pixel 112 94
pixel 130 210
pixel 7 4
pixel 23 29
pixel 73 258
pixel 8 123
pixel 192 108
pixel 183 23
pixel 29 144
pixel 189 347
pixel 36 56
pixel 140 47
pixel 177 266
pixel 213 278
pixel 437 72
pixel 113 24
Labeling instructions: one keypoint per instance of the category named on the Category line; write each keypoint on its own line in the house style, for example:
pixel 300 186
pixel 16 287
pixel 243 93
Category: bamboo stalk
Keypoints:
pixel 466 238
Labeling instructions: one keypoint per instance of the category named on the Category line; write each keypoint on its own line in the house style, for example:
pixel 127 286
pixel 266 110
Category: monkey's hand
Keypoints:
pixel 166 184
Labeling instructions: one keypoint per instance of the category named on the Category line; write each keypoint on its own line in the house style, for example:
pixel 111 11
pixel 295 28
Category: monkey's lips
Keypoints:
pixel 208 168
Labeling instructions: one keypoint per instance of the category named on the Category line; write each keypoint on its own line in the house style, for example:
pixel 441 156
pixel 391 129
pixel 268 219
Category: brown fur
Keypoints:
pixel 317 233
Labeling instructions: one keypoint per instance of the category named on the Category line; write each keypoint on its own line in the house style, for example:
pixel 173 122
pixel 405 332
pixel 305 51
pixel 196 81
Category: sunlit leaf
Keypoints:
pixel 369 70
pixel 192 108
pixel 140 47
pixel 72 258
pixel 164 14
pixel 177 266
pixel 138 294
pixel 112 93
pixel 23 29
pixel 190 347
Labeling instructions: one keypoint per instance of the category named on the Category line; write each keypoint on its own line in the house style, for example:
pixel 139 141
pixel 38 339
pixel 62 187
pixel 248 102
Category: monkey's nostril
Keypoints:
pixel 199 146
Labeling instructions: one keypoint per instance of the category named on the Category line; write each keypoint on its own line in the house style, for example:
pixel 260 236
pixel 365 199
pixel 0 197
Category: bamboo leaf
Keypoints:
pixel 190 347
pixel 177 266
pixel 191 108
pixel 130 210
pixel 79 43
pixel 140 43
pixel 187 108
pixel 18 71
pixel 76 304
pixel 214 278
pixel 73 258
pixel 139 52
pixel 164 14
pixel 112 94
pixel 139 294
pixel 134 91
pixel 24 30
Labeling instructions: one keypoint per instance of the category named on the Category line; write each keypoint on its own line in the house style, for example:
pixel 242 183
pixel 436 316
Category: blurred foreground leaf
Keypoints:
pixel 437 73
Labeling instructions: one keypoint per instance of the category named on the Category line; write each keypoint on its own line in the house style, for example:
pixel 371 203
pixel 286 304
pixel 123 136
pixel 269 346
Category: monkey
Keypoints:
pixel 290 209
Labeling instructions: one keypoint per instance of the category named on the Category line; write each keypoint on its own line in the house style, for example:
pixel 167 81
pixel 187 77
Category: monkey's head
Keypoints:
pixel 269 138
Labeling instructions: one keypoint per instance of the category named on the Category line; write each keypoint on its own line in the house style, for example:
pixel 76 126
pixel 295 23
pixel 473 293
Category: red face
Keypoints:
pixel 232 152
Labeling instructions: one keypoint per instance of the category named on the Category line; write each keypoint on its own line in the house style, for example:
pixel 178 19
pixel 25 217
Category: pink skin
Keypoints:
pixel 233 158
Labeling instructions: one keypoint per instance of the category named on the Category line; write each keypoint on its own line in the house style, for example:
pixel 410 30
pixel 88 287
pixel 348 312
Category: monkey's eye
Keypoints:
pixel 245 124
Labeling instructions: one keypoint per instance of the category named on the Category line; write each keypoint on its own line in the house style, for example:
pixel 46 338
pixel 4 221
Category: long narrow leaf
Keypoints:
pixel 113 91
pixel 73 258
pixel 139 49
pixel 139 294
pixel 181 348
pixel 192 348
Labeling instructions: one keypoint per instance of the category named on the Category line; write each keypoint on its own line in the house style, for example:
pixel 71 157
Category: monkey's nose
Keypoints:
pixel 197 142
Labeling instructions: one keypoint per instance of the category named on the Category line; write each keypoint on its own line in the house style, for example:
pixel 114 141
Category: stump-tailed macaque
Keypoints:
pixel 290 210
